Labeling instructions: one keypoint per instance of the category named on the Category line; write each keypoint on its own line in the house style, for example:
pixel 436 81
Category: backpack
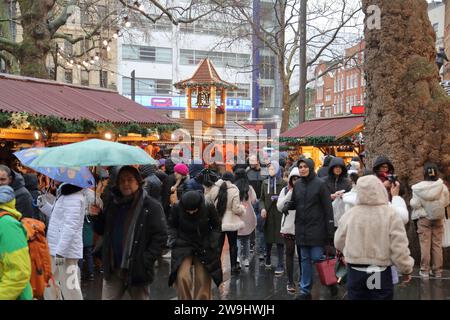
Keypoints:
pixel 41 267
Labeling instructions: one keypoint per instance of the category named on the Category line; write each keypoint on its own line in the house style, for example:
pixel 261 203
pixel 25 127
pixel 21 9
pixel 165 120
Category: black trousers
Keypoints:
pixel 232 242
pixel 369 286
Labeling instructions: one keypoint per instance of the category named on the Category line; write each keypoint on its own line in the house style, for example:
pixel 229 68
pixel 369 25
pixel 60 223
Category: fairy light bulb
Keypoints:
pixel 105 42
pixel 108 48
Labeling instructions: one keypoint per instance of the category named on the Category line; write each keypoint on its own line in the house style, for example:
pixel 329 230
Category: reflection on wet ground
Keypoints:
pixel 259 283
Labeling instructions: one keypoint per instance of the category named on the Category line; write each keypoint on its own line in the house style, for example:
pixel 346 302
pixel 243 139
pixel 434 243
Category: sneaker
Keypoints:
pixel 436 275
pixel 304 296
pixel 290 288
pixel 261 256
pixel 424 275
pixel 268 263
pixel 90 277
pixel 167 255
pixel 246 263
pixel 279 270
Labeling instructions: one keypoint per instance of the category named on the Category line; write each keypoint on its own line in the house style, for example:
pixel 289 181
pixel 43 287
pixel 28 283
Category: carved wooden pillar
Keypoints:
pixel 189 103
pixel 212 104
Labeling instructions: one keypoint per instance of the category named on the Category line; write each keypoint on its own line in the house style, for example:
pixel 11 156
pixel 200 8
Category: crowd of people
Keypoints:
pixel 138 214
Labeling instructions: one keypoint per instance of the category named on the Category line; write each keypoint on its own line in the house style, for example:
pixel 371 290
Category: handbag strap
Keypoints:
pixel 446 213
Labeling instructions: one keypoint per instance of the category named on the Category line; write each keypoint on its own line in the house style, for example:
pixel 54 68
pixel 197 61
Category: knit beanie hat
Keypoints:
pixel 147 170
pixel 191 200
pixel 182 169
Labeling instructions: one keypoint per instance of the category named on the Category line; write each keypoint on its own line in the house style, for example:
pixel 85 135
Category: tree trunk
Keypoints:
pixel 37 41
pixel 286 106
pixel 407 111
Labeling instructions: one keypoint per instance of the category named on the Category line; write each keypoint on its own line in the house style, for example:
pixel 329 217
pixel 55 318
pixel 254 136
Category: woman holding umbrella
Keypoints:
pixel 134 233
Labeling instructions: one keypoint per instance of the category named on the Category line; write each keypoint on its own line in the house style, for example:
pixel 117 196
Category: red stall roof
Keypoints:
pixel 71 102
pixel 332 127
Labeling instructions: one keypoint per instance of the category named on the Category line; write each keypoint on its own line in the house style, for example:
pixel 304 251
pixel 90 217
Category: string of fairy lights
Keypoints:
pixel 88 61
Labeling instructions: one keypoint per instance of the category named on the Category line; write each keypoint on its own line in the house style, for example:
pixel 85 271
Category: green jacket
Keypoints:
pixel 15 263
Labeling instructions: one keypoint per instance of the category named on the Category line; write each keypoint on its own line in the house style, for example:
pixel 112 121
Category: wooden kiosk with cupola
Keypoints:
pixel 205 86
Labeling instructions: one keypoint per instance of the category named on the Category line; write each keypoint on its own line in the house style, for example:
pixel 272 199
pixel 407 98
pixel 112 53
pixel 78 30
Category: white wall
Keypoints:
pixel 437 15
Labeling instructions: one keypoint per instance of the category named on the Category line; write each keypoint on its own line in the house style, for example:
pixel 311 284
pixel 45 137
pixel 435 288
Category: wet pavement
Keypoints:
pixel 259 283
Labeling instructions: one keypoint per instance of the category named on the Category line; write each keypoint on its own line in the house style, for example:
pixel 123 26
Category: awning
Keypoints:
pixel 331 128
pixel 70 102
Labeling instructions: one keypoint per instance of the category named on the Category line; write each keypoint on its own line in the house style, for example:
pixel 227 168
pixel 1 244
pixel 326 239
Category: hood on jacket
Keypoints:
pixel 169 166
pixel 68 189
pixel 327 160
pixel 31 182
pixel 382 160
pixel 18 181
pixel 337 162
pixel 430 171
pixel 371 191
pixel 429 190
pixel 195 167
pixel 310 163
pixel 294 173
pixel 8 201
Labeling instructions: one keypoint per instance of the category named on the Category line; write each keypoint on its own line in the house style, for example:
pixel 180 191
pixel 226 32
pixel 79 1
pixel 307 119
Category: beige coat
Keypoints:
pixel 429 200
pixel 231 220
pixel 371 233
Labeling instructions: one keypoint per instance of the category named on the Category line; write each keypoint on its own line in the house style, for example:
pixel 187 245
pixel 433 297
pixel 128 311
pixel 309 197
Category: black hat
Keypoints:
pixel 191 200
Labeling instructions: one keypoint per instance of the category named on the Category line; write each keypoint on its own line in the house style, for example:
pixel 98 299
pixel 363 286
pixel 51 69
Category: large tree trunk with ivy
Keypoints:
pixel 37 38
pixel 408 112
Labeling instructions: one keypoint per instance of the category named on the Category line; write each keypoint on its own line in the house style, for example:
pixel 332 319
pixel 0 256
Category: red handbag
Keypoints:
pixel 326 271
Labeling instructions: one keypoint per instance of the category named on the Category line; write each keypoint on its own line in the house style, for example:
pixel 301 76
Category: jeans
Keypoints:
pixel 309 255
pixel 369 286
pixel 244 247
pixel 259 230
pixel 88 257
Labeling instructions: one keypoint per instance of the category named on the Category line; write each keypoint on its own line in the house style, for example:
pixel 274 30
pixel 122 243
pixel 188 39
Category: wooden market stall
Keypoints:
pixel 36 112
pixel 341 137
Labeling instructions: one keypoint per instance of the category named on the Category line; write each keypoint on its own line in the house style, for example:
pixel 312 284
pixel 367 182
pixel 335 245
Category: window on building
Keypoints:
pixel 328 96
pixel 68 76
pixel 242 92
pixel 266 96
pixel 355 81
pixel 104 79
pixel 220 59
pixel 319 93
pixel 150 54
pixel 84 78
pixel 147 87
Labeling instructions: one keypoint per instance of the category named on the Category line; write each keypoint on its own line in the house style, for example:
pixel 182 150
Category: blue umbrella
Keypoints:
pixel 78 176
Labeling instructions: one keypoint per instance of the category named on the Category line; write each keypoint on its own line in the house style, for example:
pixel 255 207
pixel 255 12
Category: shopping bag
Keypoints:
pixel 446 236
pixel 340 268
pixel 326 271
pixel 338 210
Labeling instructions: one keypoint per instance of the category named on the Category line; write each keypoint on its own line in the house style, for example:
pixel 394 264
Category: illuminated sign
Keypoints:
pixel 180 103
pixel 358 110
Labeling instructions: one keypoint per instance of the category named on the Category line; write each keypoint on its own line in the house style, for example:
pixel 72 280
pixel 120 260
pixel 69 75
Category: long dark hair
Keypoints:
pixel 222 196
pixel 241 181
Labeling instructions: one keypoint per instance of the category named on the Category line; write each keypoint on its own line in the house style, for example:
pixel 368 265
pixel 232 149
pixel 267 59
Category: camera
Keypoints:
pixel 392 178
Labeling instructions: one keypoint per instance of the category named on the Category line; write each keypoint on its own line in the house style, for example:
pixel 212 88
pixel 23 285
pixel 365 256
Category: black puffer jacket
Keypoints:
pixel 32 185
pixel 150 237
pixel 342 182
pixel 256 179
pixel 153 185
pixel 196 235
pixel 24 200
pixel 311 199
